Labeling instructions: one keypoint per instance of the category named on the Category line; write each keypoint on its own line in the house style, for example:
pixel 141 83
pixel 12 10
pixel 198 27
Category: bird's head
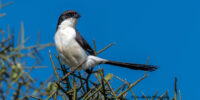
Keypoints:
pixel 69 14
pixel 69 17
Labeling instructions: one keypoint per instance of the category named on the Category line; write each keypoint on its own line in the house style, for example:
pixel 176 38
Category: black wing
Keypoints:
pixel 84 43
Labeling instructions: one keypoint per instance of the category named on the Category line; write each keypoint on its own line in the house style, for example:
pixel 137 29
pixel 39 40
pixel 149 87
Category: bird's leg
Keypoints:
pixel 88 71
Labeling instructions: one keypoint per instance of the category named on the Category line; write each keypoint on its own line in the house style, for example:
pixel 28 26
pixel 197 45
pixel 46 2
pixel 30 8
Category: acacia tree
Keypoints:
pixel 15 80
pixel 17 83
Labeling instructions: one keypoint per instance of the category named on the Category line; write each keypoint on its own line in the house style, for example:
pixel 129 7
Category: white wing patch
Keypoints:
pixel 93 61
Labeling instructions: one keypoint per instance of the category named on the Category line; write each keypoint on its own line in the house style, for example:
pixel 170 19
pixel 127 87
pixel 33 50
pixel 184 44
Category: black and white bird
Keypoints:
pixel 73 48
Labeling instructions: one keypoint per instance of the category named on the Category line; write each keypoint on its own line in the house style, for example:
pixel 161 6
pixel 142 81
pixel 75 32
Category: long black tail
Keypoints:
pixel 133 66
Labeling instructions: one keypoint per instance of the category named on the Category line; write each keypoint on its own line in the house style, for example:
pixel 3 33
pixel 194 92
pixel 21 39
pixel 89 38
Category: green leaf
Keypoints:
pixel 108 77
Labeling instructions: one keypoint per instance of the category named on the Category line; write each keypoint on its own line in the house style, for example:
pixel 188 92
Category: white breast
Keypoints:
pixel 69 50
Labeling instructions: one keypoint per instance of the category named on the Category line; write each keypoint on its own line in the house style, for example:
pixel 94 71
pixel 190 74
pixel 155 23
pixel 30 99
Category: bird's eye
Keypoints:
pixel 71 14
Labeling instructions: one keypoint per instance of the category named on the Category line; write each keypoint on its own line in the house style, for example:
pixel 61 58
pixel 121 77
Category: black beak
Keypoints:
pixel 77 16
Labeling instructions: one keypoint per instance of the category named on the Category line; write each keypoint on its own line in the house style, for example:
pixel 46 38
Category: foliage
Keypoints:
pixel 74 85
pixel 15 80
pixel 17 83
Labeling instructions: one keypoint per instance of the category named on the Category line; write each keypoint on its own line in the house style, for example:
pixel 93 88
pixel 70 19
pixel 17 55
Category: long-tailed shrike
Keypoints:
pixel 73 48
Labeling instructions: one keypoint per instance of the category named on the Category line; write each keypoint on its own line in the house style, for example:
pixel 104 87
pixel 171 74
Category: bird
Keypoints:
pixel 73 49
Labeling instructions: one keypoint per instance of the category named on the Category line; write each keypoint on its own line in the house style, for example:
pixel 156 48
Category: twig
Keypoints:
pixel 64 70
pixel 132 85
pixel 111 89
pixel 74 69
pixel 51 95
pixel 105 48
pixel 154 95
pixel 61 87
pixel 94 92
pixel 35 97
pixel 95 48
pixel 74 88
pixel 87 94
pixel 17 93
pixel 175 89
pixel 179 95
pixel 54 68
pixel 145 96
pixel 161 97
pixel 103 84
pixel 133 94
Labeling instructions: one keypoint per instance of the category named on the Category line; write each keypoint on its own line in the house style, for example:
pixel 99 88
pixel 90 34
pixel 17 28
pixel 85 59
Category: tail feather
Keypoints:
pixel 133 66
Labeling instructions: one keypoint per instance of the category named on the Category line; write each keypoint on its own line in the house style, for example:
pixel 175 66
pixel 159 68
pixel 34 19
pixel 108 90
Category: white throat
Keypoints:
pixel 70 22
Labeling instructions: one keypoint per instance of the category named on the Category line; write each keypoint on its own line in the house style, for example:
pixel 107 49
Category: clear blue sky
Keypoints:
pixel 166 30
